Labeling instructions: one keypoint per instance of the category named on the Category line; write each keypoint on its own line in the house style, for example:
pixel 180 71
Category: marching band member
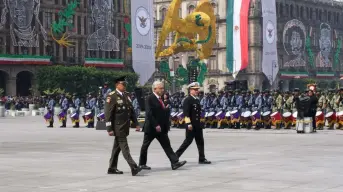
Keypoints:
pixel 51 105
pixel 64 107
pixel 77 105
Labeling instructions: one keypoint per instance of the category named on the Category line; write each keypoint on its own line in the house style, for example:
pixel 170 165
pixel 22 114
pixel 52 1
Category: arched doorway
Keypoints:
pixel 3 81
pixel 24 83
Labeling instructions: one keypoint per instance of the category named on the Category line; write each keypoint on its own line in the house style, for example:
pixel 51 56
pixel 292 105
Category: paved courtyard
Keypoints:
pixel 37 159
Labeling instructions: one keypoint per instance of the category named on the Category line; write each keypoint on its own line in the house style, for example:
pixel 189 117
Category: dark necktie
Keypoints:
pixel 161 102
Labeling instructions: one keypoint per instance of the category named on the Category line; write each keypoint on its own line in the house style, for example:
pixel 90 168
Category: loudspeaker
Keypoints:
pixel 140 98
pixel 242 85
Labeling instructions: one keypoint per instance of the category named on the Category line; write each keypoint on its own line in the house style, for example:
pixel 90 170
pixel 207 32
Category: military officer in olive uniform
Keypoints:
pixel 192 112
pixel 118 113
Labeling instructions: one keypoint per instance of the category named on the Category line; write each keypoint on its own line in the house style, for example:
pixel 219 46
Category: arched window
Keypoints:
pixel 302 12
pixel 281 9
pixel 163 13
pixel 191 9
pixel 297 11
pixel 291 11
pixel 329 16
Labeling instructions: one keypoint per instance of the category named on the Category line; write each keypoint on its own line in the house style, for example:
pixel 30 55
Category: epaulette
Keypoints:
pixel 112 93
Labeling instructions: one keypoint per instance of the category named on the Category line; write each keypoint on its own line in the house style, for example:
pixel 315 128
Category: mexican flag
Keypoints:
pixel 104 63
pixel 237 35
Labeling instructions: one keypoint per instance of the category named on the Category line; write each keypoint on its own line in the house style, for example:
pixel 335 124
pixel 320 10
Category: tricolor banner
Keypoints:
pixel 104 63
pixel 24 60
pixel 270 65
pixel 143 52
pixel 237 35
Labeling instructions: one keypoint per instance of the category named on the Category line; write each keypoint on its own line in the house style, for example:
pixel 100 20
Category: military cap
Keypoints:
pixel 74 94
pixel 194 85
pixel 266 91
pixel 120 79
pixel 296 90
pixel 256 90
pixel 287 92
pixel 243 92
pixel 331 90
pixel 249 92
pixel 237 91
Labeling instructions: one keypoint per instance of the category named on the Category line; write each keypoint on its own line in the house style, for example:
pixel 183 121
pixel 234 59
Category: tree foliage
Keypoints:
pixel 81 80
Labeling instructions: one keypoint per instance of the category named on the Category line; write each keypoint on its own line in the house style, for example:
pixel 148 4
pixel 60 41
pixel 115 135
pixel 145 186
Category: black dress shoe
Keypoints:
pixel 145 167
pixel 178 164
pixel 205 162
pixel 136 170
pixel 114 171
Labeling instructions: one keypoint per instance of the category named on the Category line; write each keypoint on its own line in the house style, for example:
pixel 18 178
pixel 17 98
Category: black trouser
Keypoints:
pixel 197 134
pixel 120 144
pixel 165 143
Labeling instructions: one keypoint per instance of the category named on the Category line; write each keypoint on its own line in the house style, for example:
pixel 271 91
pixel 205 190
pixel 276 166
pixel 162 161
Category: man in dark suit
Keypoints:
pixel 157 126
pixel 118 113
pixel 313 108
pixel 192 113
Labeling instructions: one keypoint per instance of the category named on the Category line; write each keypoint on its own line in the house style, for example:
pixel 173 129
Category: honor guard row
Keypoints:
pixel 72 107
pixel 245 109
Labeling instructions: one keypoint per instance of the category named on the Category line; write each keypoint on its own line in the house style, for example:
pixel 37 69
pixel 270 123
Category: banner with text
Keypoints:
pixel 270 65
pixel 143 57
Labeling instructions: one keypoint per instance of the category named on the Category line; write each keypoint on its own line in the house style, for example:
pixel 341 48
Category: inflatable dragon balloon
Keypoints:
pixel 195 32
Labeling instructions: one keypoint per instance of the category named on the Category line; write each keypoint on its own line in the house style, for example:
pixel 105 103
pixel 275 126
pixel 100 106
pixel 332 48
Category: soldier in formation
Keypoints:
pixel 269 108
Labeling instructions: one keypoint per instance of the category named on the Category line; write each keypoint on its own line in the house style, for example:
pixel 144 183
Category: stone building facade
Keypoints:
pixel 317 17
pixel 26 42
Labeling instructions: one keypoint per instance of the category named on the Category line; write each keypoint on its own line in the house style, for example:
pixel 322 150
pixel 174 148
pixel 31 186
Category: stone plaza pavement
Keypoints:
pixel 37 159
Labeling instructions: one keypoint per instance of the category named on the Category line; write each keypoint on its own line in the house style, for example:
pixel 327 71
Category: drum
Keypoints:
pixel 202 116
pixel 48 117
pixel 74 118
pixel 235 116
pixel 101 116
pixel 331 118
pixel 61 116
pixel 211 115
pixel 288 119
pixel 276 118
pixel 180 116
pixel 220 115
pixel 294 117
pixel 256 115
pixel 266 114
pixel 88 117
pixel 340 117
pixel 246 114
pixel 320 119
pixel 287 116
